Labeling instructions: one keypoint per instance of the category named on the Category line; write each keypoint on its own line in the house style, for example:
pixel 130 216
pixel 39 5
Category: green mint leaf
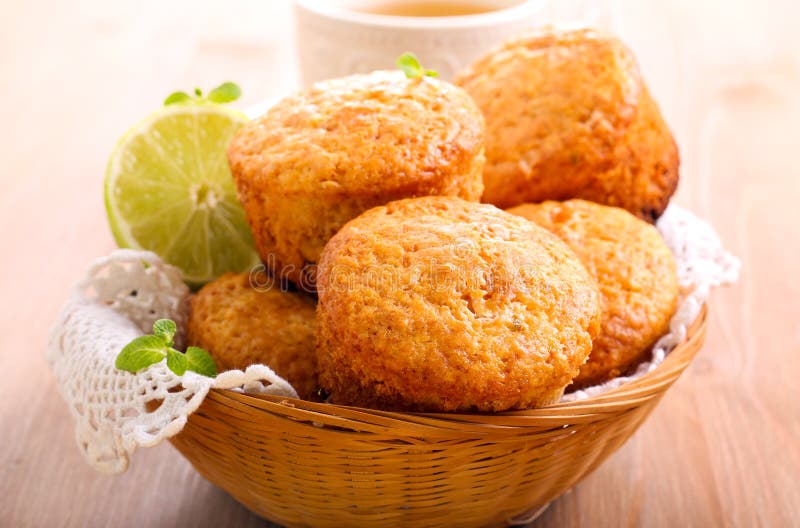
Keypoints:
pixel 198 92
pixel 176 362
pixel 200 361
pixel 409 64
pixel 146 350
pixel 431 73
pixel 176 97
pixel 165 329
pixel 140 353
pixel 225 93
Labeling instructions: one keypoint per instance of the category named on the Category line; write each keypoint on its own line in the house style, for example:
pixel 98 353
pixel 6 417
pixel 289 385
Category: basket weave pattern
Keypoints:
pixel 300 463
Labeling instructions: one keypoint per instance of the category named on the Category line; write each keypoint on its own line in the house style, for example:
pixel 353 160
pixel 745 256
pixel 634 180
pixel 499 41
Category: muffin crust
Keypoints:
pixel 240 326
pixel 569 116
pixel 438 304
pixel 635 272
pixel 323 156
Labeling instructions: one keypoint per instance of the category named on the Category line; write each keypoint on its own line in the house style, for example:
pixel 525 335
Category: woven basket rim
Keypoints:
pixel 628 395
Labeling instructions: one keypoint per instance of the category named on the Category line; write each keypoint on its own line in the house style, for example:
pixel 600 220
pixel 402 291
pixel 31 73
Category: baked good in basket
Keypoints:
pixel 635 272
pixel 447 305
pixel 440 304
pixel 324 155
pixel 568 115
pixel 242 324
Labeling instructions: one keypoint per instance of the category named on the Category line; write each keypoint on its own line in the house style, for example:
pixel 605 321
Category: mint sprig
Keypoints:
pixel 224 93
pixel 409 63
pixel 147 350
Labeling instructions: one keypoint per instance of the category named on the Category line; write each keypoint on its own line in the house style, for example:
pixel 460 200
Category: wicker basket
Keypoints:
pixel 299 463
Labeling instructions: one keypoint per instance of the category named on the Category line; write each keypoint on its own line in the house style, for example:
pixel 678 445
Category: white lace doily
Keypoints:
pixel 124 293
pixel 118 300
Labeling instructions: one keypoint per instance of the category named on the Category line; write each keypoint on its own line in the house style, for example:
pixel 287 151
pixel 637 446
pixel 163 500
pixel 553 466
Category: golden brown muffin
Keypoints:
pixel 634 270
pixel 240 325
pixel 325 155
pixel 569 116
pixel 438 304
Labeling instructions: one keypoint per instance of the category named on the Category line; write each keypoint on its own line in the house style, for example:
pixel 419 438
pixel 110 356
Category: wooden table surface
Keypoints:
pixel 723 447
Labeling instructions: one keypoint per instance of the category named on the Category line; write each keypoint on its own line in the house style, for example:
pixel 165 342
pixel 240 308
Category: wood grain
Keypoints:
pixel 723 448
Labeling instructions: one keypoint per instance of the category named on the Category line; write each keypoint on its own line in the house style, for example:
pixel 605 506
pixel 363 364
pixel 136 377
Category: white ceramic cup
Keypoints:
pixel 340 37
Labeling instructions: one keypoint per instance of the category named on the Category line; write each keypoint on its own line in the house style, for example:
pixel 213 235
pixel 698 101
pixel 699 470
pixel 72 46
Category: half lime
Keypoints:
pixel 169 190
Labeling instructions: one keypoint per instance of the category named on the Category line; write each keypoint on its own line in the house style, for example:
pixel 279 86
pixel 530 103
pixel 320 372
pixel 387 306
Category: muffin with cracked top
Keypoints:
pixel 439 304
pixel 324 155
pixel 568 115
pixel 635 271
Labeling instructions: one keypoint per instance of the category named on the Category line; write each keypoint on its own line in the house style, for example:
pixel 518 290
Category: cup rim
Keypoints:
pixel 320 7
